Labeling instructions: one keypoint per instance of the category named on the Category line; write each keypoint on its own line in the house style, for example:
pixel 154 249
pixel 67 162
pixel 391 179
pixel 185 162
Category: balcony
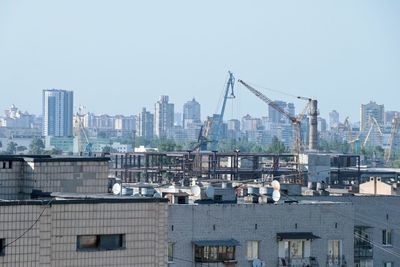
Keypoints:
pixel 298 262
pixel 336 261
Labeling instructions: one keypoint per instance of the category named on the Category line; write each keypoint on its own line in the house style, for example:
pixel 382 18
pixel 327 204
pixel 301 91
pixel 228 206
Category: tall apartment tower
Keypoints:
pixel 191 112
pixel 371 109
pixel 144 125
pixel 333 119
pixel 163 117
pixel 57 113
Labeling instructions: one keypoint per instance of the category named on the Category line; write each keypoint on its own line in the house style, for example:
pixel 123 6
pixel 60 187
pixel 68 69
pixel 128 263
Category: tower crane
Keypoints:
pixel 375 123
pixel 81 130
pixel 212 130
pixel 296 121
pixel 393 134
pixel 348 131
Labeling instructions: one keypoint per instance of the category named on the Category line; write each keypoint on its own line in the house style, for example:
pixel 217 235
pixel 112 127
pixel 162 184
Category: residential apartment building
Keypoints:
pixel 372 109
pixel 163 117
pixel 21 175
pixel 191 112
pixel 333 119
pixel 57 106
pixel 286 234
pixel 73 231
pixel 145 125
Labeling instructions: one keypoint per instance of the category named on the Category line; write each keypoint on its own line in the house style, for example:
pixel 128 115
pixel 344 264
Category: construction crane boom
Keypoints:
pixel 296 121
pixel 373 122
pixel 393 133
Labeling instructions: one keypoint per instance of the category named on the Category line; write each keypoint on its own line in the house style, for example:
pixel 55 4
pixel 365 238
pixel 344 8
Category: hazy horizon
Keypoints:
pixel 121 56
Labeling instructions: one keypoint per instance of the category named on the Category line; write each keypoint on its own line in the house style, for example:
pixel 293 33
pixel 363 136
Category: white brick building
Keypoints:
pixel 90 232
pixel 303 234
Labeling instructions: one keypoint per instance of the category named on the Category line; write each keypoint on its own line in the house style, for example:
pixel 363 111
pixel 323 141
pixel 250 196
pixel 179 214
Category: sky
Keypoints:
pixel 119 56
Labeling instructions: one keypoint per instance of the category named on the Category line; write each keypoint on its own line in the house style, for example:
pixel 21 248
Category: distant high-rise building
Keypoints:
pixel 371 110
pixel 178 119
pixel 321 124
pixel 191 112
pixel 333 119
pixel 234 125
pixel 291 109
pixel 389 115
pixel 57 113
pixel 251 124
pixel 274 115
pixel 144 125
pixel 163 117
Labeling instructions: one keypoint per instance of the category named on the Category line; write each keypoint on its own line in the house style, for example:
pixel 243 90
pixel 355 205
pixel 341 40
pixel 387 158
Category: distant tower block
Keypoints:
pixel 313 144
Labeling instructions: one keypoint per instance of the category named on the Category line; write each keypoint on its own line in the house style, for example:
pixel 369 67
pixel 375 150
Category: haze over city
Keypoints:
pixel 119 57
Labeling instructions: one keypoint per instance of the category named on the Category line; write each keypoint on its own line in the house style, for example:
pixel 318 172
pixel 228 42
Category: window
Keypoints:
pixel 214 253
pixel 294 249
pixel 388 264
pixel 2 248
pixel 252 250
pixel 334 252
pixel 100 242
pixel 387 237
pixel 170 252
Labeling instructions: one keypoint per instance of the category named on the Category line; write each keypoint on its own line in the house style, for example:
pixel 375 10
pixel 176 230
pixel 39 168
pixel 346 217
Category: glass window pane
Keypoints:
pixel 87 241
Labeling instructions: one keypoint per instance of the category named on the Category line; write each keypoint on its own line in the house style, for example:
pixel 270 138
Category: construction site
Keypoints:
pixel 304 165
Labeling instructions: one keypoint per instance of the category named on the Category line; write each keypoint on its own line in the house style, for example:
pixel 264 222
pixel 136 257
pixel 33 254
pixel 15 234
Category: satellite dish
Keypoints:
pixel 116 189
pixel 157 195
pixel 257 263
pixel 276 195
pixel 136 195
pixel 196 191
pixel 210 191
pixel 276 185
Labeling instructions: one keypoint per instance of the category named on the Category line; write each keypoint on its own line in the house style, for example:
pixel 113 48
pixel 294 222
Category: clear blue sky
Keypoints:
pixel 120 56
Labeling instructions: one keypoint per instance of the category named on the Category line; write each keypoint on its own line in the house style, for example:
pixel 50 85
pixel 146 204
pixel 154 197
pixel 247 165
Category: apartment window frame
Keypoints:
pixel 253 249
pixel 214 253
pixel 100 242
pixel 335 252
pixel 170 252
pixel 2 247
pixel 387 237
pixel 295 248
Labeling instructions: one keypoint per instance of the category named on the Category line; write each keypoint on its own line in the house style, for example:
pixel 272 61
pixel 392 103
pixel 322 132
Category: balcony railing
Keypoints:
pixel 336 261
pixel 298 262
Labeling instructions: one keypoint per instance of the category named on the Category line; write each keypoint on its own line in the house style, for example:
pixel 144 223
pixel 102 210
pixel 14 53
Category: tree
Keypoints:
pixel 276 146
pixel 21 148
pixel 167 145
pixel 12 148
pixel 37 146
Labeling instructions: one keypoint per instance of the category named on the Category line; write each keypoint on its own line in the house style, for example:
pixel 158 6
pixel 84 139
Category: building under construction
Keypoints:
pixel 177 166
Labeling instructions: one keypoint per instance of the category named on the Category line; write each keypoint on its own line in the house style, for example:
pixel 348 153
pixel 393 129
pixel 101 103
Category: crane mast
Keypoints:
pixel 393 133
pixel 214 125
pixel 375 123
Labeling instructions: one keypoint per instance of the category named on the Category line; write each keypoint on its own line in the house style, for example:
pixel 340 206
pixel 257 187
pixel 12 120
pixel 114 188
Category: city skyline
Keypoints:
pixel 333 52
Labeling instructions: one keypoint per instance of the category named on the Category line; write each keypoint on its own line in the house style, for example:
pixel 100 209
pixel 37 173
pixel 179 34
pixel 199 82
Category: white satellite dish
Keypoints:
pixel 257 263
pixel 157 195
pixel 276 185
pixel 136 195
pixel 210 191
pixel 276 195
pixel 116 189
pixel 196 191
